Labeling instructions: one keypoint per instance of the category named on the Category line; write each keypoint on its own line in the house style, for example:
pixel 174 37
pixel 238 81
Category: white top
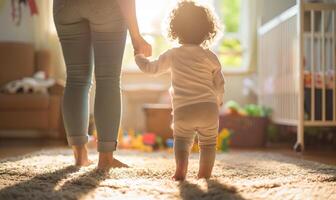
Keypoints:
pixel 196 74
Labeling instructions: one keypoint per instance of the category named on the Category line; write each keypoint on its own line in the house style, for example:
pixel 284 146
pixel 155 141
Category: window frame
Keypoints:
pixel 230 35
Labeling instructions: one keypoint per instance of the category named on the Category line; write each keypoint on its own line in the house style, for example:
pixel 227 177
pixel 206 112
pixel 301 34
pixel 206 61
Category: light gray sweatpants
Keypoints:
pixel 92 33
pixel 200 119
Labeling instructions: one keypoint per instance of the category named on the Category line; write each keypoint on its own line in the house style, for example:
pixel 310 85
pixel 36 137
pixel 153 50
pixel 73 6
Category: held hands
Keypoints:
pixel 141 46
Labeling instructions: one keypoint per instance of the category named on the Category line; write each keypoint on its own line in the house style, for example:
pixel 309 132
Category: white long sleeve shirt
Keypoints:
pixel 196 74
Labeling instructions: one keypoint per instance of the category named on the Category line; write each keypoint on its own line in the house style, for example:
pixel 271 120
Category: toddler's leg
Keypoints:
pixel 207 160
pixel 207 135
pixel 182 147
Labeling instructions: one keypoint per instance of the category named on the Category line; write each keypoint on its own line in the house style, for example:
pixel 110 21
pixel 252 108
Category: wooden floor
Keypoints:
pixel 15 147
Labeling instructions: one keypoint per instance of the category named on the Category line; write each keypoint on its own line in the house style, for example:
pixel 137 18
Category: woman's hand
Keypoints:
pixel 141 46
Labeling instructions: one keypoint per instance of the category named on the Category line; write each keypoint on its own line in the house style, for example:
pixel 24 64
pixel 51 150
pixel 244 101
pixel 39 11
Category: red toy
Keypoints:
pixel 149 139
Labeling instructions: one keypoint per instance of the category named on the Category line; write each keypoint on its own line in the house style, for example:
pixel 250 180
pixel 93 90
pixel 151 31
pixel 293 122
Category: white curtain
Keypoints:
pixel 250 14
pixel 45 36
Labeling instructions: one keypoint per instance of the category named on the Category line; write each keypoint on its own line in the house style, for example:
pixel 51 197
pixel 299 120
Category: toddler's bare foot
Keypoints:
pixel 181 159
pixel 106 162
pixel 203 175
pixel 207 160
pixel 179 176
pixel 81 156
pixel 181 170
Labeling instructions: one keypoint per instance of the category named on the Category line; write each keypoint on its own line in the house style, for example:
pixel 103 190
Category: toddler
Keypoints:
pixel 197 85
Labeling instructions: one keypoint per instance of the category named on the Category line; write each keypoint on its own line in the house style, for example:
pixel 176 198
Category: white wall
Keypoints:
pixel 272 8
pixel 9 31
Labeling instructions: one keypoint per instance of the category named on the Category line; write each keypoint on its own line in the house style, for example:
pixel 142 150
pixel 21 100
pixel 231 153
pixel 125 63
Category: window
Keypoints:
pixel 151 14
pixel 229 48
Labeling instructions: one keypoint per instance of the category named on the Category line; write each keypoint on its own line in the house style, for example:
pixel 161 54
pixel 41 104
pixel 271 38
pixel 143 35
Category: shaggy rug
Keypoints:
pixel 237 175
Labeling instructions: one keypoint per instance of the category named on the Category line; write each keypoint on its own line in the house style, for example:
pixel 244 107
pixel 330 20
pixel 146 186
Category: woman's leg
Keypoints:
pixel 108 54
pixel 109 37
pixel 74 34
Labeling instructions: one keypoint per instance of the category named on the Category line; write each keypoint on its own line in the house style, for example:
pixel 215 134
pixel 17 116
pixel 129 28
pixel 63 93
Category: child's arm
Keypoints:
pixel 161 65
pixel 218 78
pixel 219 84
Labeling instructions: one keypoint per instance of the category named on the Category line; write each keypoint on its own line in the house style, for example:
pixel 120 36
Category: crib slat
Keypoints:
pixel 312 63
pixel 333 66
pixel 323 67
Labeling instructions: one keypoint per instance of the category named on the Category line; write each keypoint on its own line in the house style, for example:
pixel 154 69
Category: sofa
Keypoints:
pixel 28 115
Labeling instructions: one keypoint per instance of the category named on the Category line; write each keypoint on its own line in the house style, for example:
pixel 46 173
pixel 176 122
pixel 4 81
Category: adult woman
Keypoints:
pixel 94 31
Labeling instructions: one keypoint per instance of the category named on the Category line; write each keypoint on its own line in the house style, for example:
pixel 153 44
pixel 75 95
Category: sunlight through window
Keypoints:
pixel 152 16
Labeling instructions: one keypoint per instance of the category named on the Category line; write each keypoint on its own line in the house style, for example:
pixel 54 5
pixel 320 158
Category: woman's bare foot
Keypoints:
pixel 107 161
pixel 81 156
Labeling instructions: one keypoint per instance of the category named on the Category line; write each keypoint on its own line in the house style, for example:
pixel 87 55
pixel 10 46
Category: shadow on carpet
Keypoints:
pixel 236 175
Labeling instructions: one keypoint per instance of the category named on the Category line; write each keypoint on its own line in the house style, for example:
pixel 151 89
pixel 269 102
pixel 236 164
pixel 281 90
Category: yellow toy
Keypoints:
pixel 137 143
pixel 223 140
pixel 195 147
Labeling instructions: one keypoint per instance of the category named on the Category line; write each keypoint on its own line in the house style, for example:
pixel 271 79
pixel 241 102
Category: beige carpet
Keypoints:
pixel 237 175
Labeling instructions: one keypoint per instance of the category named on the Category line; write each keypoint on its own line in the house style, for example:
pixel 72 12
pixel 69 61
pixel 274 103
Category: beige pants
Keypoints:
pixel 200 119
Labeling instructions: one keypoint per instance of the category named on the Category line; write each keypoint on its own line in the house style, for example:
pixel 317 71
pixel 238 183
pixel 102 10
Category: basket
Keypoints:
pixel 158 120
pixel 247 131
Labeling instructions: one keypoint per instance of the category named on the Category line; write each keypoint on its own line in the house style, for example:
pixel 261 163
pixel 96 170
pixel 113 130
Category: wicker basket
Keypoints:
pixel 247 131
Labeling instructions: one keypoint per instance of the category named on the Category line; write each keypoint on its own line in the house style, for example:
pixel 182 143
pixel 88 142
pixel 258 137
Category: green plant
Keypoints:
pixel 230 10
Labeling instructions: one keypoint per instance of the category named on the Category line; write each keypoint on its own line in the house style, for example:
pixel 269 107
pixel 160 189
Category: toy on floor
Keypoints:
pixel 149 139
pixel 195 147
pixel 147 142
pixel 233 108
pixel 158 143
pixel 138 143
pixel 170 144
pixel 223 140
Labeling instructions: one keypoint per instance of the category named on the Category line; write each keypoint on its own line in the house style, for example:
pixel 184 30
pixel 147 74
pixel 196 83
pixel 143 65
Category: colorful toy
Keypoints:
pixel 195 147
pixel 140 141
pixel 158 143
pixel 223 140
pixel 149 139
pixel 170 144
pixel 137 143
pixel 233 108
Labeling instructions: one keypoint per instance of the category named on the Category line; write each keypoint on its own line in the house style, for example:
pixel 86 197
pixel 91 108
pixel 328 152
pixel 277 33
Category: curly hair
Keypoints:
pixel 192 24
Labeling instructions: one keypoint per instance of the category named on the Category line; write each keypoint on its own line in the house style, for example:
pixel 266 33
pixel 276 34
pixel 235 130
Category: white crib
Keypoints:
pixel 296 67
